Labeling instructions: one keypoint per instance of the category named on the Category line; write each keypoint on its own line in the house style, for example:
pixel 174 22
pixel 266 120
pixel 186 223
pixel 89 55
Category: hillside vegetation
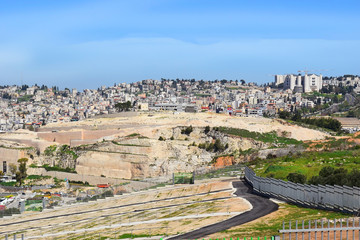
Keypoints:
pixel 334 161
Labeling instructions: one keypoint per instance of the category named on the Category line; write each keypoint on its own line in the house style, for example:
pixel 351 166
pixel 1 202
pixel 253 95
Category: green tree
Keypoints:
pixel 21 174
pixel 123 106
pixel 12 168
pixel 207 129
pixel 296 117
pixel 284 114
pixel 187 130
pixel 218 147
pixel 296 178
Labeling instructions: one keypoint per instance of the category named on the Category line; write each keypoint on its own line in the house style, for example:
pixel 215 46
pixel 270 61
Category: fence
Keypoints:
pixel 336 229
pixel 182 178
pixel 337 198
pixel 216 172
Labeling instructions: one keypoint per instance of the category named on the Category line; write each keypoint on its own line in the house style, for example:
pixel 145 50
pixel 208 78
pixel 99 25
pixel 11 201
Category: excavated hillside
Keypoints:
pixel 170 150
pixel 153 144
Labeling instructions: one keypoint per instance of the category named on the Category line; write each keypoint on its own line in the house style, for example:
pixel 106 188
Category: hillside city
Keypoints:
pixel 179 120
pixel 34 106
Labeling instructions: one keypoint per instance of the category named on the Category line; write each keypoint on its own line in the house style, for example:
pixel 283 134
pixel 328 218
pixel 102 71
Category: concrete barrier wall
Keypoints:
pixel 339 198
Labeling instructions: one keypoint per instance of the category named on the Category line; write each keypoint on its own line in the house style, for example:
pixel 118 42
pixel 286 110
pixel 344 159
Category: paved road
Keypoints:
pixel 261 207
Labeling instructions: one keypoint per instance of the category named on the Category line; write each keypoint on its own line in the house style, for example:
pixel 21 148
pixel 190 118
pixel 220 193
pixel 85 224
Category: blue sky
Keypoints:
pixel 86 44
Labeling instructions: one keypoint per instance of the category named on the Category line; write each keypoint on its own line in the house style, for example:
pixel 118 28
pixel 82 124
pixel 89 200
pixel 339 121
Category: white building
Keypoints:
pixel 279 79
pixel 300 83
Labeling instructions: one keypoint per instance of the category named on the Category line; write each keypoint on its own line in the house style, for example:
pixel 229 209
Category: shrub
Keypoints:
pixel 161 138
pixel 187 130
pixel 296 178
pixel 207 129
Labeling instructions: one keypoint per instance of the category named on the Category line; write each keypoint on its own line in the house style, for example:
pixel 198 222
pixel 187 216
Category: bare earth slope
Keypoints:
pixel 128 146
pixel 146 124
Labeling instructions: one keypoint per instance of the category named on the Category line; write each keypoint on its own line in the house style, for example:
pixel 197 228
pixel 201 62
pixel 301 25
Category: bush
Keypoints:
pixel 187 130
pixel 216 147
pixel 296 178
pixel 161 138
pixel 37 177
pixel 193 144
pixel 80 183
pixel 59 169
pixel 339 176
pixel 207 129
pixel 50 150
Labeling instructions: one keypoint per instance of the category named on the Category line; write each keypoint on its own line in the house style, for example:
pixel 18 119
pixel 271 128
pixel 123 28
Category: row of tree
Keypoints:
pixel 216 146
pixel 329 176
pixel 337 89
pixel 328 123
pixel 121 107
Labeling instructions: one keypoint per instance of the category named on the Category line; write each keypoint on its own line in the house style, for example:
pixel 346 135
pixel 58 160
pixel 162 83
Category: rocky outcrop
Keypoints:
pixel 140 158
pixel 136 157
pixel 224 161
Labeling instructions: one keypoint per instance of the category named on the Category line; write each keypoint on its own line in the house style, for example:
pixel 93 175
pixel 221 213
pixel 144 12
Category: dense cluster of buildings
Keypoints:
pixel 31 107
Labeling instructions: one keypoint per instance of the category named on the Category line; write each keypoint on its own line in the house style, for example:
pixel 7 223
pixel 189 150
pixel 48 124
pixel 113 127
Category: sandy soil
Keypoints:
pixel 92 130
pixel 158 120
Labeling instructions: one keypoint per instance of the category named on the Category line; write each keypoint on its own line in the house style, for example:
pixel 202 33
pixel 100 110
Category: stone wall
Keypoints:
pixel 76 137
pixel 10 156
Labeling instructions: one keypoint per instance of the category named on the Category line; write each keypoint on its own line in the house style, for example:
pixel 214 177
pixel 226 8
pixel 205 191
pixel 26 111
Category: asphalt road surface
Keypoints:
pixel 261 207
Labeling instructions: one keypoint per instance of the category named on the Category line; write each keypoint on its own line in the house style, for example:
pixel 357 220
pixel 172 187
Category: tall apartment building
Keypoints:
pixel 300 83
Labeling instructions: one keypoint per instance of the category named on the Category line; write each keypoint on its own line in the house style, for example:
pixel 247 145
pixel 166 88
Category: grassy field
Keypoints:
pixel 269 137
pixel 308 163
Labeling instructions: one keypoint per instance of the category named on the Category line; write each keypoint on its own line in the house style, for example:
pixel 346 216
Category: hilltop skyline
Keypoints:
pixel 86 44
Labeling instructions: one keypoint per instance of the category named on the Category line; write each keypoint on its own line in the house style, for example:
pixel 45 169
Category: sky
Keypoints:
pixel 87 44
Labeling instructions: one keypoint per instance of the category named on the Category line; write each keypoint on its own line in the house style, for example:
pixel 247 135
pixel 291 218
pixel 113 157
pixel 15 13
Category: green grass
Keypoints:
pixel 157 185
pixel 57 168
pixel 129 145
pixel 307 163
pixel 37 177
pixel 133 135
pixel 25 98
pixel 50 150
pixel 129 235
pixel 8 184
pixel 269 137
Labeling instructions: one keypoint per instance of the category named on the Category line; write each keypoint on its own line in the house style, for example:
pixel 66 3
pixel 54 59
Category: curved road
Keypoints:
pixel 261 207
